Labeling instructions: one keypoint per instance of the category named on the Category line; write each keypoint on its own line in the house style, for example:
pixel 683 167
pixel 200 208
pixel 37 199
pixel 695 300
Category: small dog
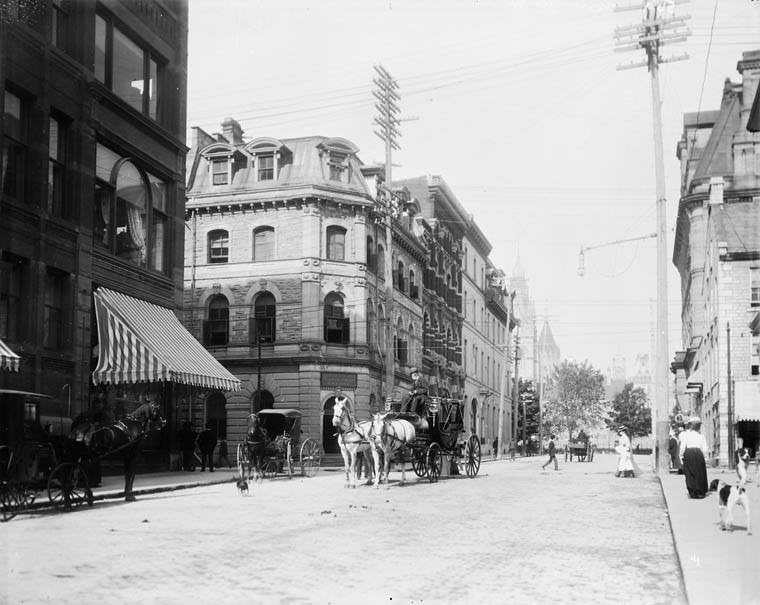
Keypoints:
pixel 742 463
pixel 242 486
pixel 728 497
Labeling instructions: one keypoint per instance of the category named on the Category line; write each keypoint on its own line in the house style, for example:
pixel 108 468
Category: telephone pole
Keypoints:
pixel 387 121
pixel 659 26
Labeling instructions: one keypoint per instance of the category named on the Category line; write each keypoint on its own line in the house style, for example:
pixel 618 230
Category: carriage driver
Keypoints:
pixel 415 401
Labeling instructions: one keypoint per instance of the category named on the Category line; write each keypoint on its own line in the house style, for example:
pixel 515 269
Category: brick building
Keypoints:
pixel 92 203
pixel 717 253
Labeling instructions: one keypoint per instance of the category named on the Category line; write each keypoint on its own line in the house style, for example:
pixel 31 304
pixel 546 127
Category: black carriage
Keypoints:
pixel 33 460
pixel 440 432
pixel 582 450
pixel 284 446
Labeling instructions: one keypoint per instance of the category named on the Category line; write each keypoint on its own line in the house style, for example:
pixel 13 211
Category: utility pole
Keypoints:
pixel 659 26
pixel 504 375
pixel 387 121
pixel 516 396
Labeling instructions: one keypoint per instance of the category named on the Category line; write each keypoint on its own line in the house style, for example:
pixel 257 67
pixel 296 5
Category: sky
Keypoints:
pixel 516 104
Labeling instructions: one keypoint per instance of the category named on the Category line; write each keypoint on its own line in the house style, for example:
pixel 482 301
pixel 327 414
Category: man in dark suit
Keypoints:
pixel 207 443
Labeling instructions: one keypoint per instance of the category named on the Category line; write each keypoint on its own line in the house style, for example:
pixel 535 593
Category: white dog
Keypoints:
pixel 742 463
pixel 728 497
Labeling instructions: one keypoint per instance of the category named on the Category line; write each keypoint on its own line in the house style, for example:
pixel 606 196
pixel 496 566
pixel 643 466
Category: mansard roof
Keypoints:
pixel 738 225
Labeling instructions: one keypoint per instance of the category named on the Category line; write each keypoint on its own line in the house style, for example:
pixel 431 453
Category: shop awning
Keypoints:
pixel 143 342
pixel 8 359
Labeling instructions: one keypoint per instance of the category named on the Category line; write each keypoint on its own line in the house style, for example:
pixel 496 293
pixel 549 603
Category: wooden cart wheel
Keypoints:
pixel 311 457
pixel 68 486
pixel 269 468
pixel 419 466
pixel 472 456
pixel 8 502
pixel 434 462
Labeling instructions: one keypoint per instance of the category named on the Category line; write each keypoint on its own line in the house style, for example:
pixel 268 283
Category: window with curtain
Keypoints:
pixel 216 328
pixel 263 244
pixel 263 326
pixel 131 211
pixel 336 243
pixel 218 246
pixel 336 326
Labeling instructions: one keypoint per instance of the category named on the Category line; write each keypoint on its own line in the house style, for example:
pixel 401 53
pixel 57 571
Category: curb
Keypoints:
pixel 682 579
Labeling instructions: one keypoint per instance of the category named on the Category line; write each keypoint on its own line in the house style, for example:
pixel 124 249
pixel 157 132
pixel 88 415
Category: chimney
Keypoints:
pixel 232 131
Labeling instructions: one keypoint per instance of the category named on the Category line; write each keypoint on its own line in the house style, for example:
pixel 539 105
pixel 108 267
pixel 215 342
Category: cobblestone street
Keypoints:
pixel 514 534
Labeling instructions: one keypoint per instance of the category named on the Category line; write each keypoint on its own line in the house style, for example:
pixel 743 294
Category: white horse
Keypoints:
pixel 390 436
pixel 353 440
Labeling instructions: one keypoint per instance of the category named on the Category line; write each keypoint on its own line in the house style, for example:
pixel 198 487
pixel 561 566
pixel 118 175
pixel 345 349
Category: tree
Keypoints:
pixel 531 409
pixel 576 394
pixel 631 408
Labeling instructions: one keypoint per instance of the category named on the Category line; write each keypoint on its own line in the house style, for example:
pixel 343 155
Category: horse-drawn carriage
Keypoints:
pixel 582 449
pixel 274 444
pixel 34 461
pixel 440 432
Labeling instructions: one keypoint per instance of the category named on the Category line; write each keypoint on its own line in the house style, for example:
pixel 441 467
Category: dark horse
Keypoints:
pixel 256 444
pixel 125 438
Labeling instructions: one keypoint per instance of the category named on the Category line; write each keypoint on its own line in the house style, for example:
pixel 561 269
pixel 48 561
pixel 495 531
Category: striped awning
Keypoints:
pixel 143 342
pixel 8 359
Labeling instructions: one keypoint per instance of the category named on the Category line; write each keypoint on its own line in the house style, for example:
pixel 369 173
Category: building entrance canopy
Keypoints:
pixel 143 342
pixel 8 359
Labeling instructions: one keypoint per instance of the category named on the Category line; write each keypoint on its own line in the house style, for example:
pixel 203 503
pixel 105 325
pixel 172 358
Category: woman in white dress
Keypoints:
pixel 625 467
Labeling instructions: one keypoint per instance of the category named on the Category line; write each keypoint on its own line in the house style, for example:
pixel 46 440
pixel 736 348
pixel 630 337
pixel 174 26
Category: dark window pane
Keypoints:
pixel 128 78
pixel 100 48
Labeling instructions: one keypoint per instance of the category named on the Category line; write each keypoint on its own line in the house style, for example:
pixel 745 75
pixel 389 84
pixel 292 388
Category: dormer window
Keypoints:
pixel 337 166
pixel 265 165
pixel 220 171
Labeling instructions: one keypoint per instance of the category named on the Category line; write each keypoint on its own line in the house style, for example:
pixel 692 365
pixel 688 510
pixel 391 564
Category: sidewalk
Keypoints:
pixel 718 567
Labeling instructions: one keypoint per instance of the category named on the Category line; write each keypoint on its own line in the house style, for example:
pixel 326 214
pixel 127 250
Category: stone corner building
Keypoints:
pixel 717 253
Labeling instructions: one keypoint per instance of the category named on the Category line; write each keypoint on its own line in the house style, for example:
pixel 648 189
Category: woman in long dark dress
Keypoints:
pixel 693 451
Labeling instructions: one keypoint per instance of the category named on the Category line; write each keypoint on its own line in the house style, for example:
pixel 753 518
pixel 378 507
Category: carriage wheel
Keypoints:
pixel 8 502
pixel 269 468
pixel 68 486
pixel 311 457
pixel 434 462
pixel 419 465
pixel 472 456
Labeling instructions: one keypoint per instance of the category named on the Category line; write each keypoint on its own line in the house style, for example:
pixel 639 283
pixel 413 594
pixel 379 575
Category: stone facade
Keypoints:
pixel 717 253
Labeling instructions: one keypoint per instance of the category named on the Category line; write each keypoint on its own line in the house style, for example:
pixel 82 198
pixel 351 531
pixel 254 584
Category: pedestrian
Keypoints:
pixel 625 467
pixel 675 458
pixel 224 454
pixel 496 447
pixel 693 451
pixel 206 444
pixel 187 446
pixel 552 450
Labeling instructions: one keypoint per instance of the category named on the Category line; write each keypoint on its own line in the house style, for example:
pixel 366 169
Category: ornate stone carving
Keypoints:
pixel 309 276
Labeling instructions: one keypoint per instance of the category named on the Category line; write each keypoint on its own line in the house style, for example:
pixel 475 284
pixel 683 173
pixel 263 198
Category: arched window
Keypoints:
pixel 264 321
pixel 426 332
pixel 371 259
pixel 401 343
pixel 371 319
pixel 263 243
pixel 216 328
pixel 380 262
pixel 413 291
pixel 381 328
pixel 400 277
pixel 337 327
pixel 410 348
pixel 262 400
pixel 218 246
pixel 336 243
